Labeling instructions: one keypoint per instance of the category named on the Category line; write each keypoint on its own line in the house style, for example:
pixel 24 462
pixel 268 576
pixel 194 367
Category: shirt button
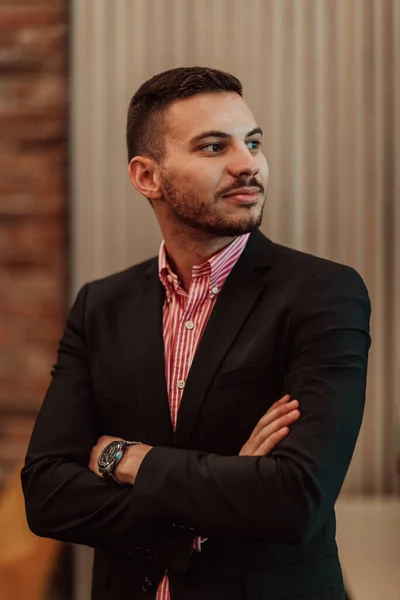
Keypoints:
pixel 170 278
pixel 146 585
pixel 181 384
pixel 189 324
pixel 215 290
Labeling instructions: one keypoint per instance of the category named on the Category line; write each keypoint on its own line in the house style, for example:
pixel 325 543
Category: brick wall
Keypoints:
pixel 33 219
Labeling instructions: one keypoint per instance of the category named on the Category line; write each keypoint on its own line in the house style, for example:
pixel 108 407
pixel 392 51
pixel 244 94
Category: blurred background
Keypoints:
pixel 323 80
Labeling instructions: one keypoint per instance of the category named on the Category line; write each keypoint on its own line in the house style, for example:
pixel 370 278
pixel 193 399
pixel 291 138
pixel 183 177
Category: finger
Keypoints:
pixel 284 398
pixel 269 430
pixel 275 412
pixel 273 415
pixel 270 443
pixel 272 428
pixel 279 408
pixel 279 402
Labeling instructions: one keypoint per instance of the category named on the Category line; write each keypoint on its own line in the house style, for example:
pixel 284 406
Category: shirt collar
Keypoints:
pixel 217 268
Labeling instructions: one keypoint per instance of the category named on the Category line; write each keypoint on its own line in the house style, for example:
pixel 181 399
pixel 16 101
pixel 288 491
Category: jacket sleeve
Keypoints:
pixel 64 499
pixel 284 497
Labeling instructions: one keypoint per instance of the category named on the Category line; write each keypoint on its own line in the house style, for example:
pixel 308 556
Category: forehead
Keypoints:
pixel 225 111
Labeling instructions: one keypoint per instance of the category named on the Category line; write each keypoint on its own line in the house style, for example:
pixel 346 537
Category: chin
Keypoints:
pixel 223 223
pixel 247 224
pixel 232 227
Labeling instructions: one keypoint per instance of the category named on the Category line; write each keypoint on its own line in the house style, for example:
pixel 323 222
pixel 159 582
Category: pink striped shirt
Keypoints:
pixel 185 316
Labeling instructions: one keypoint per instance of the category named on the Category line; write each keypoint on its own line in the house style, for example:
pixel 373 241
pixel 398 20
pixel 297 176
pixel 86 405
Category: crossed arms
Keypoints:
pixel 282 497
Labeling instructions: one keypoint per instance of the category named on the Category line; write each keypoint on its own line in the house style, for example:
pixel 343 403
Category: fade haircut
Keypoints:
pixel 146 113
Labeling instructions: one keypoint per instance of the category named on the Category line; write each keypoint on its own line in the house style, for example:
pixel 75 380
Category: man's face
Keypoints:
pixel 213 149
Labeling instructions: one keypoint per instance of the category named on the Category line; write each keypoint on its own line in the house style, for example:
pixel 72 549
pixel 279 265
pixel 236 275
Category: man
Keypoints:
pixel 187 354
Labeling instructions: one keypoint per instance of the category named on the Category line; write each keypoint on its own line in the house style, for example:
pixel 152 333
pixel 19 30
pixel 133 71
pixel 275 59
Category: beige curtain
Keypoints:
pixel 323 79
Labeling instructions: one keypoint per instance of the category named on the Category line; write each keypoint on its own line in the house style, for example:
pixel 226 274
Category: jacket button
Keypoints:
pixel 146 585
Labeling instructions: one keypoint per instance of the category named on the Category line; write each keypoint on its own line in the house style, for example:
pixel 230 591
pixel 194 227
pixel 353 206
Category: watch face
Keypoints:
pixel 109 454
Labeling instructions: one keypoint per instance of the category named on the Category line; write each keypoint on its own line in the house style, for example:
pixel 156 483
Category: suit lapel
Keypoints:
pixel 238 295
pixel 148 360
pixel 145 339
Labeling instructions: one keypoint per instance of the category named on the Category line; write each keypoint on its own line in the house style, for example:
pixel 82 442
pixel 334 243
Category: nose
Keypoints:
pixel 242 161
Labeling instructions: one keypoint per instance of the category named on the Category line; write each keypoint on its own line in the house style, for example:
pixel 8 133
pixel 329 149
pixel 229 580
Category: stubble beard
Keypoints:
pixel 188 211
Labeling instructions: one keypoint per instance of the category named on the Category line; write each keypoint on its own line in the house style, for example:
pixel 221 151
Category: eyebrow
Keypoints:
pixel 221 134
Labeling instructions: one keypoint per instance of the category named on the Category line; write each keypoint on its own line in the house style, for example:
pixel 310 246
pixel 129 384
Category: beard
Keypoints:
pixel 188 209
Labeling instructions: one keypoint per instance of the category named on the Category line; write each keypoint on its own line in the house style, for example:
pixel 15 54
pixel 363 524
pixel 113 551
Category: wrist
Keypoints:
pixel 111 456
pixel 125 471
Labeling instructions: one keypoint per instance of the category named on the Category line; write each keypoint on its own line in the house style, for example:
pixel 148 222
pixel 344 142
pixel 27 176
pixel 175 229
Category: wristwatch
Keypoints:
pixel 110 457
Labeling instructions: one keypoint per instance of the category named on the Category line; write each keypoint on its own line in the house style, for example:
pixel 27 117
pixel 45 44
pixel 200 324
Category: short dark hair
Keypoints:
pixel 147 107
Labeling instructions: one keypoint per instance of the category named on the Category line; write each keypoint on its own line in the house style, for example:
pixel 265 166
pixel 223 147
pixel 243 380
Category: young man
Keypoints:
pixel 187 354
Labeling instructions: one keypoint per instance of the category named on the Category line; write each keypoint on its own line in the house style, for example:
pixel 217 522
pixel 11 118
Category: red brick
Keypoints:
pixel 47 330
pixel 34 293
pixel 23 397
pixel 30 94
pixel 35 242
pixel 33 183
pixel 16 16
pixel 26 204
pixel 33 39
pixel 33 3
pixel 33 225
pixel 19 427
pixel 38 170
pixel 42 128
pixel 11 450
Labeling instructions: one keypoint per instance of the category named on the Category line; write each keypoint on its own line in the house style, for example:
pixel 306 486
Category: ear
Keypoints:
pixel 144 174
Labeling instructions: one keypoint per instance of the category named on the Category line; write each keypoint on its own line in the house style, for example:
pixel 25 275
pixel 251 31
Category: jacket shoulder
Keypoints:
pixel 305 268
pixel 308 263
pixel 296 258
pixel 117 285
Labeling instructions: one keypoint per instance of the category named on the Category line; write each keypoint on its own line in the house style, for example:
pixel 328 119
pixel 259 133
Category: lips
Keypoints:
pixel 245 191
pixel 244 196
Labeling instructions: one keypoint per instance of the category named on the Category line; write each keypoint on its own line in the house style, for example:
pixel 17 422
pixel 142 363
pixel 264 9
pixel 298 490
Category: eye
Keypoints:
pixel 213 148
pixel 254 144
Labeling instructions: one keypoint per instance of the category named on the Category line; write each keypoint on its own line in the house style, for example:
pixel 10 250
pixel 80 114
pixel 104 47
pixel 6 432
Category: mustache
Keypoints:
pixel 240 183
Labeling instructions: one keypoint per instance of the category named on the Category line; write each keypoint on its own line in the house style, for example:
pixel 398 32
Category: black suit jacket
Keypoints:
pixel 285 322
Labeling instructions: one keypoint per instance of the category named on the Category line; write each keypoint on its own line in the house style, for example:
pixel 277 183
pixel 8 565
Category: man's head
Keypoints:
pixel 192 141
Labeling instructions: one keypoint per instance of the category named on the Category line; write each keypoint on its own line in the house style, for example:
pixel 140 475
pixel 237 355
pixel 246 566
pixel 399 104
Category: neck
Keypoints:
pixel 189 248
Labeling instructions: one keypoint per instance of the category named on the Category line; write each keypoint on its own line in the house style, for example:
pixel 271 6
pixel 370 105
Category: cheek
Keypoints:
pixel 264 169
pixel 199 179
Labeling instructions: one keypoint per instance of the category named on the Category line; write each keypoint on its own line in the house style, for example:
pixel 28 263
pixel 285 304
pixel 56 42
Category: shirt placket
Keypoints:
pixel 185 344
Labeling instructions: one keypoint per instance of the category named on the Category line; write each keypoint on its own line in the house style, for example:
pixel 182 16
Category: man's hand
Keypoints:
pixel 271 428
pixel 128 467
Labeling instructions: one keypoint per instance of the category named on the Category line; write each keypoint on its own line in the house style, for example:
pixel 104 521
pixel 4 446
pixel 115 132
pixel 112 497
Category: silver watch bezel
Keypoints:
pixel 106 470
